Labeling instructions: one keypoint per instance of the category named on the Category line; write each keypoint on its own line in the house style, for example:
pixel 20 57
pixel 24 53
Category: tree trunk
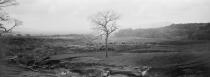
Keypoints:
pixel 106 45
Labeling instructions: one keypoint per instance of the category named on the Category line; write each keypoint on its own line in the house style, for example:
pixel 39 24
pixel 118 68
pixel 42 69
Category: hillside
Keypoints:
pixel 196 31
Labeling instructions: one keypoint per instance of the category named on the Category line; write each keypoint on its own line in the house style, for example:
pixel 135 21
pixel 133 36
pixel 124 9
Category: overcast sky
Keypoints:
pixel 71 16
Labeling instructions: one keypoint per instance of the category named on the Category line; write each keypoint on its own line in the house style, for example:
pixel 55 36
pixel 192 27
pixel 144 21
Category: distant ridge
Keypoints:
pixel 194 31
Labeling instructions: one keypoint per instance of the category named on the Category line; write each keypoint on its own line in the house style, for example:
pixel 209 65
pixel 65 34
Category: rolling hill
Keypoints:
pixel 193 31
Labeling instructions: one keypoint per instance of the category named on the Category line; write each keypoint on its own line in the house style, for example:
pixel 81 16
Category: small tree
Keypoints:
pixel 106 23
pixel 5 19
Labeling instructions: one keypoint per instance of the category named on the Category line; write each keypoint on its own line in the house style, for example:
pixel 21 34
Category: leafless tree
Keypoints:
pixel 5 19
pixel 106 23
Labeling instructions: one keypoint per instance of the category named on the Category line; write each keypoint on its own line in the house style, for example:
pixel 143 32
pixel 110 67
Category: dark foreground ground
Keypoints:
pixel 168 58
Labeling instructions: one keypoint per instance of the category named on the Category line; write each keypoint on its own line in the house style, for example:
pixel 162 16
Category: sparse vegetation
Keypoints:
pixel 165 57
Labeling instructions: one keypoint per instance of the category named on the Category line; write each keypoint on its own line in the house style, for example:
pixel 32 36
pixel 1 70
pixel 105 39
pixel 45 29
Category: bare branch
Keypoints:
pixel 105 21
pixel 17 23
pixel 5 3
pixel 3 15
pixel 112 29
pixel 5 18
pixel 4 29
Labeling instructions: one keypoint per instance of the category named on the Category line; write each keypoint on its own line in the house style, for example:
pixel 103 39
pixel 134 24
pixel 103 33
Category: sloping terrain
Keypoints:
pixel 198 31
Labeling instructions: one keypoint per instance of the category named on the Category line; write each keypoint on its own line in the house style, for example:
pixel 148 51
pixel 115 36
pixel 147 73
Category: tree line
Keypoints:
pixel 192 31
